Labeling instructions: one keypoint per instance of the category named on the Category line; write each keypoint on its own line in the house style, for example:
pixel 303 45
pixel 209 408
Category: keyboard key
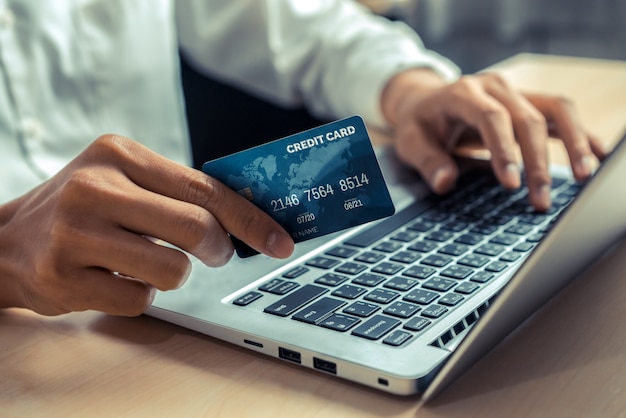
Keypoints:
pixel 519 229
pixel 546 228
pixel 405 236
pixel 454 226
pixel 504 239
pixel 423 246
pixel 453 249
pixel 490 249
pixel 397 338
pixel 406 257
pixel 388 247
pixel 435 215
pixel 351 268
pixel 440 284
pixel 331 279
pixel 482 277
pixel 421 296
pixel 342 252
pixel 318 310
pixel 401 309
pixel 502 219
pixel 422 226
pixel 295 300
pixel 469 239
pixel 484 229
pixel 558 182
pixel 571 190
pixel 369 279
pixel 284 288
pixel 496 266
pixel 451 299
pixel 436 260
pixel 511 256
pixel 322 262
pixel 439 236
pixel 532 218
pixel 361 309
pixel 524 247
pixel 560 201
pixel 474 260
pixel 466 288
pixel 339 322
pixel 434 311
pixel 381 296
pixel 375 327
pixel 417 324
pixel 271 284
pixel 457 272
pixel 247 299
pixel 419 272
pixel 401 283
pixel 348 291
pixel 370 257
pixel 388 268
pixel 295 272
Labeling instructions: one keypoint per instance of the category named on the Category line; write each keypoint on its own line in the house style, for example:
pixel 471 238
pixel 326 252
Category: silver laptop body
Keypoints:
pixel 429 359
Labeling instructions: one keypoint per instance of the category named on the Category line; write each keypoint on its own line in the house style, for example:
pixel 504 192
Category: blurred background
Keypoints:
pixel 478 33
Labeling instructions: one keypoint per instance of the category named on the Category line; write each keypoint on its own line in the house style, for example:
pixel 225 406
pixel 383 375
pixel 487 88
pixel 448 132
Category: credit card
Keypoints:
pixel 313 183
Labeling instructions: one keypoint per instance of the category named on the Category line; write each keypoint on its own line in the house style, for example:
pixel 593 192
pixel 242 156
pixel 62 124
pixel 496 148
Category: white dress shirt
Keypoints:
pixel 72 70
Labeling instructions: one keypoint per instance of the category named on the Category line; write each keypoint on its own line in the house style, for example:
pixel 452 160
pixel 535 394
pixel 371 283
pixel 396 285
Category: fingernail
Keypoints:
pixel 583 168
pixel 184 277
pixel 512 175
pixel 543 197
pixel 151 295
pixel 279 245
pixel 441 181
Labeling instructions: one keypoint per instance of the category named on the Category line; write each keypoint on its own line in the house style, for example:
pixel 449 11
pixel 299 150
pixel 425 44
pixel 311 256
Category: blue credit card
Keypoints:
pixel 313 183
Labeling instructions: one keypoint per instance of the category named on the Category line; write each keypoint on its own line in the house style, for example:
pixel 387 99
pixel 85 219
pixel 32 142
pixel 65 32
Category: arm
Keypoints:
pixel 333 56
pixel 84 239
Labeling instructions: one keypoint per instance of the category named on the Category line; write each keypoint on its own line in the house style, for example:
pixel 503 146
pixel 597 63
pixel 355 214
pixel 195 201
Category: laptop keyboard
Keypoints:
pixel 394 280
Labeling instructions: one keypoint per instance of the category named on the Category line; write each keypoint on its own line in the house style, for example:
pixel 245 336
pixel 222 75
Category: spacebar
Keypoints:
pixel 373 234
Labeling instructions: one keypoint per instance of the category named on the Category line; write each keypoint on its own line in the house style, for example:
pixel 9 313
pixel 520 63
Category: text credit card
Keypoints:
pixel 313 183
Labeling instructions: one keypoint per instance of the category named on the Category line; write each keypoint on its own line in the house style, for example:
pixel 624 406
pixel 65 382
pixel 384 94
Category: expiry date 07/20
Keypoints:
pixel 320 192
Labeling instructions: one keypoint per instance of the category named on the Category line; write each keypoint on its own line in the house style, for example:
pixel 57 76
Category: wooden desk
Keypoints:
pixel 568 360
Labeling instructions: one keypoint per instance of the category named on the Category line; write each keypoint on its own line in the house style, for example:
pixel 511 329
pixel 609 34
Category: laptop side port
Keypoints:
pixel 289 355
pixel 254 343
pixel 325 365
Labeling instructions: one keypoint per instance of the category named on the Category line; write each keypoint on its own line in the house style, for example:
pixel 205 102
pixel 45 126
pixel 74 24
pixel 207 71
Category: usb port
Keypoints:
pixel 325 365
pixel 289 355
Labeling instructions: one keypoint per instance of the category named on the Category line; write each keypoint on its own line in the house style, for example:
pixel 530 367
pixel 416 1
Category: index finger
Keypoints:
pixel 531 131
pixel 478 109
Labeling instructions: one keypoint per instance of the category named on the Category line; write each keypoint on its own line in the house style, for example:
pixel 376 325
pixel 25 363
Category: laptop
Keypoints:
pixel 408 303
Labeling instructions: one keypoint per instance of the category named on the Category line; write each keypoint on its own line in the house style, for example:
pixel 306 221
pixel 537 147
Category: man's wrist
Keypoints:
pixel 9 284
pixel 415 81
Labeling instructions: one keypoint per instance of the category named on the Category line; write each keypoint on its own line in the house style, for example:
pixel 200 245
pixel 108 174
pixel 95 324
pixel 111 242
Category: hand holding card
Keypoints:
pixel 313 183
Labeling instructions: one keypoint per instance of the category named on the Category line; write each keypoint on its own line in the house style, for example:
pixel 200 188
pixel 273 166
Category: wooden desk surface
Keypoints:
pixel 567 360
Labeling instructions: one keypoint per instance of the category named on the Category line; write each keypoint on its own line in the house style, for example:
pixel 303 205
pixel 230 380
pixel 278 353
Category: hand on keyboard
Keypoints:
pixel 428 116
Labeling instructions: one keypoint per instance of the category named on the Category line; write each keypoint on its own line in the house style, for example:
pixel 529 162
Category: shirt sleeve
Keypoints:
pixel 333 56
